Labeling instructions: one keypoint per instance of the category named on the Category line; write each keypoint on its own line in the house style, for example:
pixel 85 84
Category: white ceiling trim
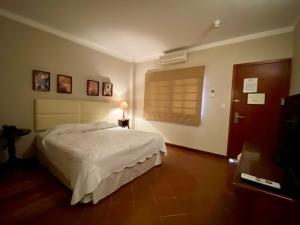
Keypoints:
pixel 244 38
pixel 227 42
pixel 104 50
pixel 61 34
pixel 148 58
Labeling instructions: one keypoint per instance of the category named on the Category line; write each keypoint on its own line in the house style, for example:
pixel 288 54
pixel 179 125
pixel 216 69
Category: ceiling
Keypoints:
pixel 137 29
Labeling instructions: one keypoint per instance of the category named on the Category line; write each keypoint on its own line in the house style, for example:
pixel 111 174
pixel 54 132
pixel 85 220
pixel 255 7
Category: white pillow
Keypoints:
pixel 79 127
pixel 69 128
pixel 64 128
pixel 102 125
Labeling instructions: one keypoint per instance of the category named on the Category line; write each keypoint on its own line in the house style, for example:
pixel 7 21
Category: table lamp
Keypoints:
pixel 124 106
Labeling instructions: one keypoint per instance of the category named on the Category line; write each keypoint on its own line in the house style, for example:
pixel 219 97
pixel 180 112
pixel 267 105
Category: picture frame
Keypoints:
pixel 40 80
pixel 92 87
pixel 107 89
pixel 64 84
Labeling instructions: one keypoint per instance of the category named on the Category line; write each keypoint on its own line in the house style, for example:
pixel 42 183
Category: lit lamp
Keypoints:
pixel 124 106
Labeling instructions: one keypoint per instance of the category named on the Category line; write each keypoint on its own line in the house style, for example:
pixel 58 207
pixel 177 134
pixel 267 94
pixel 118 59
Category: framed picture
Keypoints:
pixel 40 80
pixel 92 87
pixel 64 84
pixel 107 89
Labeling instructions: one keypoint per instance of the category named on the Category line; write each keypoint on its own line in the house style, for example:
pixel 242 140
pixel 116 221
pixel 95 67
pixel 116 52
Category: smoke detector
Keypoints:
pixel 217 23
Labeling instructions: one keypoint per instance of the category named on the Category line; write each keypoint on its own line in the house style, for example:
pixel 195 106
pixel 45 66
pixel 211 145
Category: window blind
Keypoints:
pixel 174 95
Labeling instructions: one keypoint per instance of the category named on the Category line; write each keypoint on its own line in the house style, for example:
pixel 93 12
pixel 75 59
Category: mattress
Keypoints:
pixel 109 184
pixel 84 160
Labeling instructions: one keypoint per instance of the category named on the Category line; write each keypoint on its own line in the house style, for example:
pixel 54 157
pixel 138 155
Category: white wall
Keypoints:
pixel 212 134
pixel 295 79
pixel 23 48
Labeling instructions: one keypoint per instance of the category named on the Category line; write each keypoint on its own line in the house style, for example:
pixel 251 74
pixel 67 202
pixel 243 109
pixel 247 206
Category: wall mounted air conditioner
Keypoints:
pixel 173 58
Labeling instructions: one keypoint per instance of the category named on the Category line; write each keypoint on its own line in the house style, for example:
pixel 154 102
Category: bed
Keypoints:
pixel 90 156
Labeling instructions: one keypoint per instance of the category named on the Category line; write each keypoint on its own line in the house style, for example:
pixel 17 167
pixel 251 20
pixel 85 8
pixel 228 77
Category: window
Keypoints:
pixel 174 95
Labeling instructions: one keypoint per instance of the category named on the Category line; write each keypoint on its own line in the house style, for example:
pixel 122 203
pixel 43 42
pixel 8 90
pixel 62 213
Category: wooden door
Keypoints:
pixel 257 123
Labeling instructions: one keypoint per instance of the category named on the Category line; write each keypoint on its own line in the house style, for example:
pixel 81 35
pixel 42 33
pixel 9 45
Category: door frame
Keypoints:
pixel 234 74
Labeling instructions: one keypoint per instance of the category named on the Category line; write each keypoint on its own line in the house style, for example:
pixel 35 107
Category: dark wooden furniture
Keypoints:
pixel 9 134
pixel 124 123
pixel 257 204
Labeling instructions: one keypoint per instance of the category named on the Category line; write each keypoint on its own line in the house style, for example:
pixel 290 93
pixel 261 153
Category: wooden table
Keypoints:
pixel 257 204
pixel 124 123
pixel 10 135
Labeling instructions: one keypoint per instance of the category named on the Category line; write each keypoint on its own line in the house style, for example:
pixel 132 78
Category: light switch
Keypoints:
pixel 223 106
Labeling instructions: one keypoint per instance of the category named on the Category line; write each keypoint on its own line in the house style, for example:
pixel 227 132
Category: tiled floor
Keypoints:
pixel 189 188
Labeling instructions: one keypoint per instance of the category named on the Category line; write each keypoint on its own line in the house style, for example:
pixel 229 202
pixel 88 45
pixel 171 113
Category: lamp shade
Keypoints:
pixel 124 105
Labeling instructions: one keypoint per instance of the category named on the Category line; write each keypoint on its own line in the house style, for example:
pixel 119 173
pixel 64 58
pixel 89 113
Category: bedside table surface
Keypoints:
pixel 123 123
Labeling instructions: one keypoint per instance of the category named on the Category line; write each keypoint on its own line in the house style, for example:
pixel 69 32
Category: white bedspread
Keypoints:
pixel 87 156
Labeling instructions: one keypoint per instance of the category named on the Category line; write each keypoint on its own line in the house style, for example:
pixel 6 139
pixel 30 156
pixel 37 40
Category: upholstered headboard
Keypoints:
pixel 51 112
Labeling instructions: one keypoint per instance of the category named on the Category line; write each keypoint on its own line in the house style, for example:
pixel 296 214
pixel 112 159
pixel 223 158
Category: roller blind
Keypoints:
pixel 174 95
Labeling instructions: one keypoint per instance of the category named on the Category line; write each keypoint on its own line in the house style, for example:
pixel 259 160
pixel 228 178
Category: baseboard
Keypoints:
pixel 197 150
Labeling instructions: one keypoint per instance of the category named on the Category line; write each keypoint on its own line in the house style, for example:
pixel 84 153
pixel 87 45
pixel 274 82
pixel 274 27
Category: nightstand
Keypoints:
pixel 124 123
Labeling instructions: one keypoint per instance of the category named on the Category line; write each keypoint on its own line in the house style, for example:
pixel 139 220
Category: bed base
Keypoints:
pixel 109 184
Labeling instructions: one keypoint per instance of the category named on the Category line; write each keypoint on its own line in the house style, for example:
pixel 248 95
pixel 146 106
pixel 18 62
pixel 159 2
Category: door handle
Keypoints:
pixel 236 117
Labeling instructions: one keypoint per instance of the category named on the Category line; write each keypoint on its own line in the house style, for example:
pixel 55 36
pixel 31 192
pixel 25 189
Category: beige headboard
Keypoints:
pixel 51 112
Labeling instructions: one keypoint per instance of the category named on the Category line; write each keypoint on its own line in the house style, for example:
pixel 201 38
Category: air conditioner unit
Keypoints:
pixel 173 58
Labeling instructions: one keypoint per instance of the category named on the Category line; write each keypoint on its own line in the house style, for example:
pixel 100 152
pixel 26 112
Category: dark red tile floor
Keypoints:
pixel 189 188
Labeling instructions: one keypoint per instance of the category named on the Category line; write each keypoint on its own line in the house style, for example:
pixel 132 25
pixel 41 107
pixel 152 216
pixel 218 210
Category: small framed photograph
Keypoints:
pixel 64 84
pixel 40 80
pixel 93 87
pixel 107 89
